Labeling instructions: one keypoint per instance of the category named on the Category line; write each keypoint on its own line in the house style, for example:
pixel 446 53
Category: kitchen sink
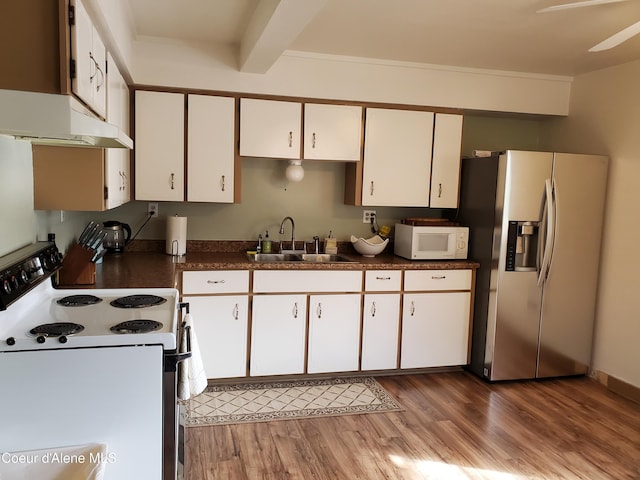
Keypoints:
pixel 298 257
pixel 325 258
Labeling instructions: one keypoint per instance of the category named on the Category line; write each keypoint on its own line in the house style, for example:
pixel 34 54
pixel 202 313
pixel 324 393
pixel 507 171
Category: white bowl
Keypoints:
pixel 369 247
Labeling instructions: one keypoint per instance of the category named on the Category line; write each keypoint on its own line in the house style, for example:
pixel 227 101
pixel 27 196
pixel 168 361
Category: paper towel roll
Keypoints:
pixel 176 243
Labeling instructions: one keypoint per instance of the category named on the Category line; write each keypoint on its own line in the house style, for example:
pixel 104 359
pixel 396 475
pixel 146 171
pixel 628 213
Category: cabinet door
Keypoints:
pixel 445 170
pixel 117 160
pixel 332 132
pixel 210 149
pixel 435 329
pixel 88 51
pixel 221 325
pixel 381 317
pixel 278 329
pixel 117 177
pixel 159 148
pixel 334 333
pixel 270 128
pixel 397 158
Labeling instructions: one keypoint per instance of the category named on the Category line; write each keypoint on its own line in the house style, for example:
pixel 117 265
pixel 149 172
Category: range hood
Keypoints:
pixel 50 119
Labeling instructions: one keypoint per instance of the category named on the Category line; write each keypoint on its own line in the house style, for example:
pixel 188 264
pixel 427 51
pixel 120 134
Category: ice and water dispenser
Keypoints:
pixel 522 245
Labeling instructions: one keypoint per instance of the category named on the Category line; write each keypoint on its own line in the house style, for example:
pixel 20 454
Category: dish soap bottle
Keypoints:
pixel 331 244
pixel 266 243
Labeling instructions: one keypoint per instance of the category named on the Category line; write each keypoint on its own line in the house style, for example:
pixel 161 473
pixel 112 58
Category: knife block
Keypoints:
pixel 77 267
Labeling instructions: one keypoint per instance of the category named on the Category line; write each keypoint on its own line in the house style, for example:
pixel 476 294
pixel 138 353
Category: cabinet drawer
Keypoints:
pixel 215 281
pixel 306 281
pixel 416 280
pixel 382 280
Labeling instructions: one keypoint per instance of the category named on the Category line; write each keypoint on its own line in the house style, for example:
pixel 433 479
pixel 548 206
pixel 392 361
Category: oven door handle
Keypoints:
pixel 171 360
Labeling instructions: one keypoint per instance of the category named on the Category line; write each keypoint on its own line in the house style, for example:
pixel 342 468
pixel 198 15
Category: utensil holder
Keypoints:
pixel 77 268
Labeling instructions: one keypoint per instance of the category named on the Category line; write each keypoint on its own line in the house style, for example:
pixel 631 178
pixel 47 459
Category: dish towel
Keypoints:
pixel 192 380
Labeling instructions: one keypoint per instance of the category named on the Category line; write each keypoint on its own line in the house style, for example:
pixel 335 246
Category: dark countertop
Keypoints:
pixel 158 270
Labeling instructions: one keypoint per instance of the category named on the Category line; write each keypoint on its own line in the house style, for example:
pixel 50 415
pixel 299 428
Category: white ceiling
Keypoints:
pixel 488 34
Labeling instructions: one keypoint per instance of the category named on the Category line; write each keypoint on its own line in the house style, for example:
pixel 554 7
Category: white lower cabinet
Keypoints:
pixel 221 326
pixel 219 304
pixel 435 329
pixel 380 318
pixel 278 334
pixel 334 333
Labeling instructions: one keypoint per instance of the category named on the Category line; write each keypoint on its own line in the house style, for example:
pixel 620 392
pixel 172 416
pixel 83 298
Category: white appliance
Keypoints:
pixel 88 366
pixel 418 242
pixel 537 221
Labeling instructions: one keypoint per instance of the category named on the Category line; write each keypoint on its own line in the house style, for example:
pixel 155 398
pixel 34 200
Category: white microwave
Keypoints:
pixel 431 243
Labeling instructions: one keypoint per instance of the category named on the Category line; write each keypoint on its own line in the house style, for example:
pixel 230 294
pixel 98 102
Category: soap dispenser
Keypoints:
pixel 266 243
pixel 331 244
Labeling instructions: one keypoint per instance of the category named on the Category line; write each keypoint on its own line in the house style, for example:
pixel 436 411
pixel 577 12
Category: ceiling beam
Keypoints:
pixel 272 28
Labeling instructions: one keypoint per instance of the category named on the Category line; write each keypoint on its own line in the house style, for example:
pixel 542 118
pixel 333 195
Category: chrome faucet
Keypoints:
pixel 293 234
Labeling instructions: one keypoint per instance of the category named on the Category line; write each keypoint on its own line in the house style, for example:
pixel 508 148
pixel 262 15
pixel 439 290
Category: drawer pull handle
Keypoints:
pixel 319 310
pixel 371 189
pixel 222 183
pixel 236 312
pixel 373 309
pixel 172 180
pixel 383 278
pixel 412 310
pixel 215 281
pixel 440 277
pixel 313 140
pixel 290 139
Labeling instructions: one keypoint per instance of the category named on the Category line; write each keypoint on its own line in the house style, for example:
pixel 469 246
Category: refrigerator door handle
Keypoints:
pixel 548 223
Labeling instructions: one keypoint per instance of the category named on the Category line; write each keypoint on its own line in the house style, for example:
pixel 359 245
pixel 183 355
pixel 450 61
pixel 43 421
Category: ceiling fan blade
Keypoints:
pixel 618 38
pixel 585 3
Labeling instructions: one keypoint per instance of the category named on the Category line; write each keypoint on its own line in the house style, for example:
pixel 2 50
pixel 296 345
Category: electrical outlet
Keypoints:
pixel 152 209
pixel 368 215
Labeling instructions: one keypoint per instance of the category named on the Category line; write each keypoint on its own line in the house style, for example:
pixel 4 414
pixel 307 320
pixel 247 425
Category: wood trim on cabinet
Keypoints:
pixel 37 28
pixel 68 178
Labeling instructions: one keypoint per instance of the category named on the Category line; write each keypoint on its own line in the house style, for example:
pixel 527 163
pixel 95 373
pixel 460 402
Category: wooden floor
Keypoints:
pixel 455 426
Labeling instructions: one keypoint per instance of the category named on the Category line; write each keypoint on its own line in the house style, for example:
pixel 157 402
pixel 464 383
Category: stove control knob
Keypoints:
pixel 14 282
pixel 24 277
pixel 6 286
pixel 41 339
pixel 62 339
pixel 45 262
pixel 11 341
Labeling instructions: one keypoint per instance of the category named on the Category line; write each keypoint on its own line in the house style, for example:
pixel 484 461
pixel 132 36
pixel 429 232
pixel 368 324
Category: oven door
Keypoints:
pixel 66 397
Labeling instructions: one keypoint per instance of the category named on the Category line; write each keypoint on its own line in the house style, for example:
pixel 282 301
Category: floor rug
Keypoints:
pixel 261 402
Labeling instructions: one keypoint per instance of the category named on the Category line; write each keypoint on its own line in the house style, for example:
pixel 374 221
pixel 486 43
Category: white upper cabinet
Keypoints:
pixel 210 149
pixel 270 128
pixel 159 147
pixel 445 171
pixel 332 132
pixel 117 160
pixel 397 158
pixel 89 56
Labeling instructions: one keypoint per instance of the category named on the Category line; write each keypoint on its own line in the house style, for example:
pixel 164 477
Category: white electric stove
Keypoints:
pixel 102 361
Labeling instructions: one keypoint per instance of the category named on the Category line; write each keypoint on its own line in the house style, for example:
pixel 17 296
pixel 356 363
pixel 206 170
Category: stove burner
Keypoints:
pixel 78 300
pixel 56 329
pixel 138 301
pixel 136 326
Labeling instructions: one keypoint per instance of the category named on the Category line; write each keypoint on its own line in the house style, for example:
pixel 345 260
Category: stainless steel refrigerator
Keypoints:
pixel 535 223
